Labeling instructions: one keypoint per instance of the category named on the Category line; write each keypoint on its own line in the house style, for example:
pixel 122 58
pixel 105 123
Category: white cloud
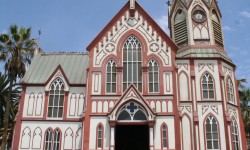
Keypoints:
pixel 227 28
pixel 245 14
pixel 163 23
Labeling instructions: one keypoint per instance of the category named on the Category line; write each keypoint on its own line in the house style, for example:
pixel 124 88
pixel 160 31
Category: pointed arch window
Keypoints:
pixel 56 144
pixel 132 62
pixel 208 87
pixel 164 136
pixel 111 77
pixel 235 135
pixel 56 99
pixel 153 71
pixel 230 90
pixel 212 135
pixel 99 136
pixel 48 139
pixel 52 140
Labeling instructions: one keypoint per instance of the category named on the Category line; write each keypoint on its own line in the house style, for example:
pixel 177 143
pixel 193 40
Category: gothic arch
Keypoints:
pixel 68 139
pixel 139 36
pixel 25 139
pixel 190 132
pixel 204 129
pixel 78 139
pixel 31 102
pixel 164 145
pixel 37 138
pixel 214 85
pixel 99 128
pixel 186 87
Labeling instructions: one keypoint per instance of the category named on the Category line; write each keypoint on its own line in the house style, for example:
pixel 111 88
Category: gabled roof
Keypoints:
pixel 144 14
pixel 74 65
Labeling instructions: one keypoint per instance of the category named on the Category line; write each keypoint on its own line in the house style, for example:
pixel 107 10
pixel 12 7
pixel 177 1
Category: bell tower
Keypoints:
pixel 196 23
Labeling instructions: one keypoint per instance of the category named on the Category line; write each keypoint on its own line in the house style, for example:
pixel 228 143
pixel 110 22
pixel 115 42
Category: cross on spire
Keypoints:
pixel 132 4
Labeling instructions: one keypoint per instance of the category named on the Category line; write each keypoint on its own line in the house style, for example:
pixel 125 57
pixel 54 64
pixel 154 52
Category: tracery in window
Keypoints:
pixel 52 138
pixel 212 135
pixel 230 90
pixel 153 73
pixel 207 87
pixel 111 77
pixel 235 135
pixel 56 144
pixel 132 112
pixel 48 140
pixel 99 136
pixel 164 136
pixel 132 62
pixel 56 99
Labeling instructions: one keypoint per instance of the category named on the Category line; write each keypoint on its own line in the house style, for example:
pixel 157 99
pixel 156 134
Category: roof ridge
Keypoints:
pixel 68 53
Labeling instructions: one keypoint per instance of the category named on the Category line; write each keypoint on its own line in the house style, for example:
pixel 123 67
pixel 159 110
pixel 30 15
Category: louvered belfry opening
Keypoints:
pixel 217 29
pixel 180 29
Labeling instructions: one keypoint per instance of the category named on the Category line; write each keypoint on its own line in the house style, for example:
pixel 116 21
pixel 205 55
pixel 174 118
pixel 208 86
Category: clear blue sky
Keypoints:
pixel 70 25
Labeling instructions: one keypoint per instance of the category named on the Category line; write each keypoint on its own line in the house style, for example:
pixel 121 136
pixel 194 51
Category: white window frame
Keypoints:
pixel 235 135
pixel 133 45
pixel 57 82
pixel 152 72
pixel 230 90
pixel 211 118
pixel 207 84
pixel 111 63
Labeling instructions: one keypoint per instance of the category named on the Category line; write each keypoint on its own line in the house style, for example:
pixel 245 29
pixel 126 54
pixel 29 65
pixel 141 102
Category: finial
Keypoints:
pixel 132 4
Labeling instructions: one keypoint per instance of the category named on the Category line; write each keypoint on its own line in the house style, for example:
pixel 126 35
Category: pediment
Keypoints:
pixel 131 94
pixel 107 42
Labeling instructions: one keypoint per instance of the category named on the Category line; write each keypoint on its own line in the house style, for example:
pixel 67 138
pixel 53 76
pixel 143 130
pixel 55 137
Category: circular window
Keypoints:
pixel 199 16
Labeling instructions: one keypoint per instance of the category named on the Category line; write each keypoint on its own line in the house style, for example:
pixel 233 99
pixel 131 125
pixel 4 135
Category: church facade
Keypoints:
pixel 136 88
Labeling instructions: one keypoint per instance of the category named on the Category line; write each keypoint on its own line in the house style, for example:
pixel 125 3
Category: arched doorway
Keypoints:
pixel 132 130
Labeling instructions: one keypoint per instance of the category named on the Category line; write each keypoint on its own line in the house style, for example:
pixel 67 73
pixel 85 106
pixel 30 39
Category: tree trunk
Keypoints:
pixel 6 117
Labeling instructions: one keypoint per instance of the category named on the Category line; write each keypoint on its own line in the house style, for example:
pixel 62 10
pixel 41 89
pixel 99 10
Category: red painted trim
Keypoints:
pixel 65 104
pixel 226 123
pixel 141 11
pixel 18 122
pixel 241 126
pixel 59 68
pixel 138 93
pixel 46 105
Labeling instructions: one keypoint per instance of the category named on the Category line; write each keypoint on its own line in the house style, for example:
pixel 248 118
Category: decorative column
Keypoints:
pixel 151 134
pixel 112 134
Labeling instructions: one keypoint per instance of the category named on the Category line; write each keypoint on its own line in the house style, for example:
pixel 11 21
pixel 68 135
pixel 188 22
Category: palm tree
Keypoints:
pixel 15 95
pixel 16 50
pixel 245 109
pixel 240 84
